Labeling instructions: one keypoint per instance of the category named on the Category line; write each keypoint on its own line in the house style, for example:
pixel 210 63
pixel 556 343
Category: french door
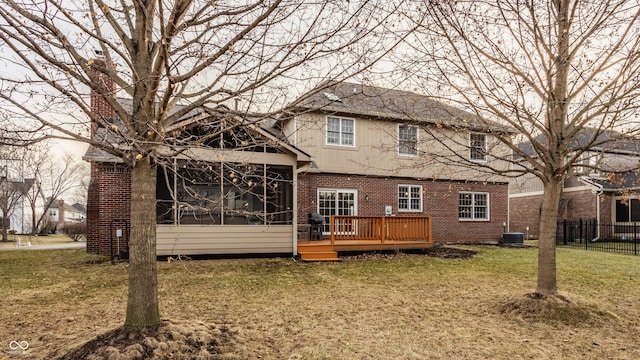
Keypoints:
pixel 336 202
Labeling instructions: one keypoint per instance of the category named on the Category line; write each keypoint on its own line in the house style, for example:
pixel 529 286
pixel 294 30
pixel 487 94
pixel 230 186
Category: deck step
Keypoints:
pixel 311 247
pixel 319 256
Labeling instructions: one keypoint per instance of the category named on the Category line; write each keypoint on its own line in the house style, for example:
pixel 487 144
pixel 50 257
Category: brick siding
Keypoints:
pixel 108 206
pixel 525 211
pixel 440 201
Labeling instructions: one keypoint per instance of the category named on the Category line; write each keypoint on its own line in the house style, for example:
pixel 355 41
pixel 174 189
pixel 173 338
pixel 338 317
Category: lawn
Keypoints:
pixel 405 306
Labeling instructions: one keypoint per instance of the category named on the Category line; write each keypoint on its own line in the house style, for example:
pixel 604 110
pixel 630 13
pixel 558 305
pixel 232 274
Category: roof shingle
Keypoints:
pixel 371 101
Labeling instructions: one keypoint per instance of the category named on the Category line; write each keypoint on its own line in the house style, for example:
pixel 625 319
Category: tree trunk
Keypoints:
pixel 5 225
pixel 142 303
pixel 547 242
pixel 34 226
pixel 557 107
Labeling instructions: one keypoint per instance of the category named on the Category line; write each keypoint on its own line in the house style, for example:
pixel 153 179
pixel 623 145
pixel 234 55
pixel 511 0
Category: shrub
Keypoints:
pixel 76 231
pixel 48 227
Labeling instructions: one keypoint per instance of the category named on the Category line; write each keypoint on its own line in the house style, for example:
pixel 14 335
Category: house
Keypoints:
pixel 343 152
pixel 604 185
pixel 61 213
pixel 13 189
pixel 385 152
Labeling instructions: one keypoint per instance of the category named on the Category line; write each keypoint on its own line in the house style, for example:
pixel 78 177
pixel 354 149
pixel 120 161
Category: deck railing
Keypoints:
pixel 380 228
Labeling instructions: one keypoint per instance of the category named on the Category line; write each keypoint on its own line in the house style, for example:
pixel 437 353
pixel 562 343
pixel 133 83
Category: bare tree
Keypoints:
pixel 52 178
pixel 547 69
pixel 195 54
pixel 79 195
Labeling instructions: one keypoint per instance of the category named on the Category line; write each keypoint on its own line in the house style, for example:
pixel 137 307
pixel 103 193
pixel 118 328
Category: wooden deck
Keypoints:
pixel 369 233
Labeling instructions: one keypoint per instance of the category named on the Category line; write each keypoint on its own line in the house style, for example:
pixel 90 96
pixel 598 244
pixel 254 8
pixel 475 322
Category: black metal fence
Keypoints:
pixel 623 238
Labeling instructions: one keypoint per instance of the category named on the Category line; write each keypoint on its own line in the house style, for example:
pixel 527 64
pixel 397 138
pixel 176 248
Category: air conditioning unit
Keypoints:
pixel 513 238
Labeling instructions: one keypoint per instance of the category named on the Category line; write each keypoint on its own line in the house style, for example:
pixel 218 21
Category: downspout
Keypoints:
pixel 509 210
pixel 598 195
pixel 176 209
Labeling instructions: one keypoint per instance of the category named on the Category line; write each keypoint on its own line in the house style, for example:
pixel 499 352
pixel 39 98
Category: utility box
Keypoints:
pixel 512 238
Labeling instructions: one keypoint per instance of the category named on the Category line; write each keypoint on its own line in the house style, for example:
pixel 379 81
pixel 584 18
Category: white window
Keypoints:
pixel 477 147
pixel 340 131
pixel 336 202
pixel 407 139
pixel 473 206
pixel 409 198
pixel 587 163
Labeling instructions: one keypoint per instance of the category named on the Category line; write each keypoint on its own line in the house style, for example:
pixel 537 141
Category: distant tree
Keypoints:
pixel 52 178
pixel 79 194
pixel 10 194
pixel 194 54
pixel 548 69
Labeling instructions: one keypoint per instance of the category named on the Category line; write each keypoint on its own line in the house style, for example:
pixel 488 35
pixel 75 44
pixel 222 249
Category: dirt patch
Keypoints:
pixel 443 252
pixel 554 309
pixel 172 339
pixel 450 252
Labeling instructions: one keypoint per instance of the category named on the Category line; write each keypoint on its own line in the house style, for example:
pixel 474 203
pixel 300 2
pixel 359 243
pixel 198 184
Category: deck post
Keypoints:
pixel 383 228
pixel 332 232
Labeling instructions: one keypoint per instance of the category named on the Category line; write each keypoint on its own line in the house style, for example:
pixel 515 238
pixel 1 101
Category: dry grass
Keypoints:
pixel 373 307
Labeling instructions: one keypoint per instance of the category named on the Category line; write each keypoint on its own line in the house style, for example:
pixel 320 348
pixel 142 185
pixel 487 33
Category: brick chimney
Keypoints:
pixel 100 108
pixel 98 217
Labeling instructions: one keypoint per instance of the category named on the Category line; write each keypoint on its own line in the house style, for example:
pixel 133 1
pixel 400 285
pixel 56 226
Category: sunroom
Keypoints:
pixel 235 195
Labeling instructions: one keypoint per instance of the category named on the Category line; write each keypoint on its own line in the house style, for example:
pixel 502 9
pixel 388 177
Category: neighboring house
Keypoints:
pixel 590 192
pixel 379 151
pixel 13 187
pixel 62 213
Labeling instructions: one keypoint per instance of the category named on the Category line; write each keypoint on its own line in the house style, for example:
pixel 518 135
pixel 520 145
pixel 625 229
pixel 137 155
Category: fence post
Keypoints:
pixel 583 234
pixel 635 238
